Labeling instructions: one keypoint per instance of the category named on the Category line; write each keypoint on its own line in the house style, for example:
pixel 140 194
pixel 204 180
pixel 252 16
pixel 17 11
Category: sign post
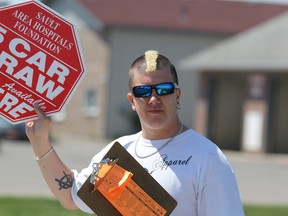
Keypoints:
pixel 40 61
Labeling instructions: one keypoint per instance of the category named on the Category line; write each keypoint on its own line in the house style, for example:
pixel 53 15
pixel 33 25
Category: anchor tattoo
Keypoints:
pixel 65 182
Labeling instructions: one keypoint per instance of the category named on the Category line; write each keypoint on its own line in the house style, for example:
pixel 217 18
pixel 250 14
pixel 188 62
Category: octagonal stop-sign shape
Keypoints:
pixel 40 61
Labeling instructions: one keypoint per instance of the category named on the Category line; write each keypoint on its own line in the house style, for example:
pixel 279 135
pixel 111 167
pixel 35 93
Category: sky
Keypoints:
pixel 252 1
pixel 264 1
pixel 13 1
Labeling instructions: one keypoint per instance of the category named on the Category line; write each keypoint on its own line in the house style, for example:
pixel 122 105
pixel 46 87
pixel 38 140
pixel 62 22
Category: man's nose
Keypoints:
pixel 154 96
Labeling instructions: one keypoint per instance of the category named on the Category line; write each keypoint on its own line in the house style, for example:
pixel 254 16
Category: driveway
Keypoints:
pixel 262 179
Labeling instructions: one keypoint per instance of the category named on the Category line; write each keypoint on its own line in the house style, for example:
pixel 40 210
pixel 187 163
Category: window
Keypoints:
pixel 60 116
pixel 91 107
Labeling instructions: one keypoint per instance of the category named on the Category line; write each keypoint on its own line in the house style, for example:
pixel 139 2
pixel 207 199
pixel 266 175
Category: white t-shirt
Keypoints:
pixel 191 168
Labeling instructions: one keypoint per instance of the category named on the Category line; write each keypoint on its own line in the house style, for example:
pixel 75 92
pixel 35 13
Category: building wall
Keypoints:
pixel 225 101
pixel 77 120
pixel 244 111
pixel 278 115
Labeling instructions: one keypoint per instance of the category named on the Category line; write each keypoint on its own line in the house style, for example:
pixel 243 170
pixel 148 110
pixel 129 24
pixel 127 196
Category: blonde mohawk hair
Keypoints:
pixel 151 60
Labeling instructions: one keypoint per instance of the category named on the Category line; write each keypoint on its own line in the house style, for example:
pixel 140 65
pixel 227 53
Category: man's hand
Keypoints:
pixel 38 130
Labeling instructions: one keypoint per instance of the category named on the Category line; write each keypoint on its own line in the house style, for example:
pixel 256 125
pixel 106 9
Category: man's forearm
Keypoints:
pixel 57 175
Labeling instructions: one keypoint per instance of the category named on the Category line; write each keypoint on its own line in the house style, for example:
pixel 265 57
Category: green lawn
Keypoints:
pixel 34 206
pixel 50 207
pixel 265 210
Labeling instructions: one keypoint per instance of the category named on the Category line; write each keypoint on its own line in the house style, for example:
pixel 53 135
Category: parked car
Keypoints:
pixel 13 132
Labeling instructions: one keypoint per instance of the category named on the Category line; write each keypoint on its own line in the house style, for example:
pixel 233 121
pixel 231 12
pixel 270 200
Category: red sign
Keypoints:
pixel 40 61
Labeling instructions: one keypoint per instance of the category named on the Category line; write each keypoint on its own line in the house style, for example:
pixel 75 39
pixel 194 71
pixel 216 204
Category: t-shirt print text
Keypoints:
pixel 164 162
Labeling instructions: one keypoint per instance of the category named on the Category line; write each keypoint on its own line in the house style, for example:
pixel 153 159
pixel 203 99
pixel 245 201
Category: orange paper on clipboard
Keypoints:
pixel 142 185
pixel 117 186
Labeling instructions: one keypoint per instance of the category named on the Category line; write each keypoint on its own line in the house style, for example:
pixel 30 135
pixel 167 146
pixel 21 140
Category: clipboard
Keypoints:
pixel 102 207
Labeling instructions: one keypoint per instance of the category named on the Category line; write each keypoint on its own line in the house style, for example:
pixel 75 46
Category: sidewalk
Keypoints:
pixel 262 179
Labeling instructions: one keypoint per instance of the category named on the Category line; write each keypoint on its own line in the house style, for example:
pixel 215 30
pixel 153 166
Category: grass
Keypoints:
pixel 10 206
pixel 265 210
pixel 34 206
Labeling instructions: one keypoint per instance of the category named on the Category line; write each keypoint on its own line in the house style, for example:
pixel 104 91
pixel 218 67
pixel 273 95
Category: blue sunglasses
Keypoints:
pixel 161 89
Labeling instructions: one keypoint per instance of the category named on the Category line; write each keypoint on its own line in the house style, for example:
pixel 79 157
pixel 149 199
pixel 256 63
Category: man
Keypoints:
pixel 188 166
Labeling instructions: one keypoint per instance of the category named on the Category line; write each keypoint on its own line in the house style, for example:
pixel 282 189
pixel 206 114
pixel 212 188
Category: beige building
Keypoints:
pixel 85 114
pixel 113 33
pixel 243 101
pixel 180 29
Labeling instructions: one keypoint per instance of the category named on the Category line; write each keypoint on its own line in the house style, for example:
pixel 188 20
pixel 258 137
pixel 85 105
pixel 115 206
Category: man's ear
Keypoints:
pixel 130 98
pixel 178 94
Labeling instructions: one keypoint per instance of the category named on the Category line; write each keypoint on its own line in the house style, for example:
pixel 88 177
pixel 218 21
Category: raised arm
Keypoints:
pixel 57 175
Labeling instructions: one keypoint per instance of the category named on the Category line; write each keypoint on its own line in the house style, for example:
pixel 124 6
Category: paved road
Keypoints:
pixel 262 179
